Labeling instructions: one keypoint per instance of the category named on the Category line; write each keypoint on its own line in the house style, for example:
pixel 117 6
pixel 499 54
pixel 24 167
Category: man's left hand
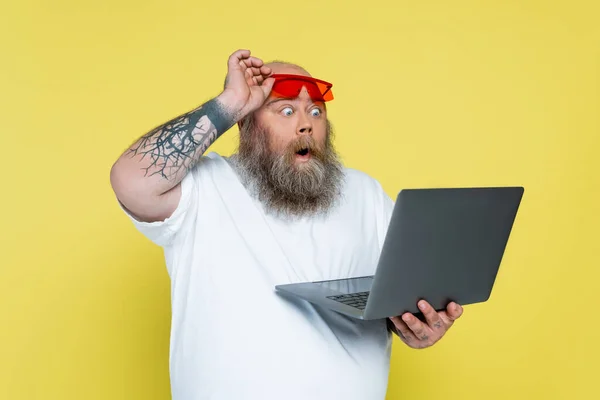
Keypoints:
pixel 418 334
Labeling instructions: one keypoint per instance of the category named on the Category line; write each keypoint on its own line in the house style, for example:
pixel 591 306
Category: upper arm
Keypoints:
pixel 137 198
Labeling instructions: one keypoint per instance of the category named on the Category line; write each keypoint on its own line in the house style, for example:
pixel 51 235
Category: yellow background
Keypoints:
pixel 428 93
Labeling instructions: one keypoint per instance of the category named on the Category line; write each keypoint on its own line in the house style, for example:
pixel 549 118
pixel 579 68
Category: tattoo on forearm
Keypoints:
pixel 172 148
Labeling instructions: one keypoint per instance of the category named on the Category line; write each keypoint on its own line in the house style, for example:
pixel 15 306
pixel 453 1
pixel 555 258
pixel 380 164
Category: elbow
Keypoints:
pixel 123 182
pixel 124 188
pixel 117 178
pixel 134 196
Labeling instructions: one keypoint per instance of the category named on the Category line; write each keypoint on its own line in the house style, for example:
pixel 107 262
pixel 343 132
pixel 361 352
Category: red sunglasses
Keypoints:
pixel 289 86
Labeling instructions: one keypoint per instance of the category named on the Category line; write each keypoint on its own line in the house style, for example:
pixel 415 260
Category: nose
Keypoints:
pixel 304 125
pixel 304 120
pixel 305 130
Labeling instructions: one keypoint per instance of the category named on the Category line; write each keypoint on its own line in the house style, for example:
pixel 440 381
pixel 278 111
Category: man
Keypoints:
pixel 281 210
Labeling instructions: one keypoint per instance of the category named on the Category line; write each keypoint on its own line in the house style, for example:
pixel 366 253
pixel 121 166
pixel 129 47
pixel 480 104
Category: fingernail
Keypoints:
pixel 422 305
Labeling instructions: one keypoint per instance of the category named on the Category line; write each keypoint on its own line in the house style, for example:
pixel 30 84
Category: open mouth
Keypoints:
pixel 303 152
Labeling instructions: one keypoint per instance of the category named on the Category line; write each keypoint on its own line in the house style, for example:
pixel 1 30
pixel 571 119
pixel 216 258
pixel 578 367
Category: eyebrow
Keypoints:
pixel 279 99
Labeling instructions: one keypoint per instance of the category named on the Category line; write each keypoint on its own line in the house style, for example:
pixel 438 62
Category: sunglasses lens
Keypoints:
pixel 287 88
pixel 325 91
pixel 292 88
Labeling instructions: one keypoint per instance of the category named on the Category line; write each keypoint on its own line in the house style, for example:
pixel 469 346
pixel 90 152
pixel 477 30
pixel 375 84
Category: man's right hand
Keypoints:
pixel 247 85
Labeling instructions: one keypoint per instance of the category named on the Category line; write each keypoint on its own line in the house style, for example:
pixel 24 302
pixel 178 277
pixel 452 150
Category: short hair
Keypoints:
pixel 286 63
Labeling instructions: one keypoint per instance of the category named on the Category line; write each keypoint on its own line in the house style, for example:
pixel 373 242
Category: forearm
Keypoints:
pixel 159 160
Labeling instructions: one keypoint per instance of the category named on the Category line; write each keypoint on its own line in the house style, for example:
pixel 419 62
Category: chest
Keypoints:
pixel 342 245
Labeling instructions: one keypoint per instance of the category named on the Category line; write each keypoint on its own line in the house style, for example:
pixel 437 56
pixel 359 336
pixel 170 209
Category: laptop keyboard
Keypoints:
pixel 356 300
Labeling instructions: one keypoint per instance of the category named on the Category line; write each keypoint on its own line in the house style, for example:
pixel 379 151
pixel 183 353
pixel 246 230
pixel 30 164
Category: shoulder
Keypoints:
pixel 356 179
pixel 210 161
pixel 360 185
pixel 212 158
pixel 366 192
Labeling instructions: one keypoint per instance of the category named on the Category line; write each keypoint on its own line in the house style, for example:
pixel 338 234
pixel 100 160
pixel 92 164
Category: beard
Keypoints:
pixel 284 187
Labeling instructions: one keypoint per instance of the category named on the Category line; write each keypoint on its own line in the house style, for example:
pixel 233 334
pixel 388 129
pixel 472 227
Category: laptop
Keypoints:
pixel 442 245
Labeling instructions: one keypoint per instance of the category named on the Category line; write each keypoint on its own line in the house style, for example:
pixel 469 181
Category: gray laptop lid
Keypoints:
pixel 442 245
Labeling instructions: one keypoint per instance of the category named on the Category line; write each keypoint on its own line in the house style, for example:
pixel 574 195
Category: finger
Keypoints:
pixel 266 71
pixel 254 80
pixel 253 71
pixel 416 326
pixel 403 331
pixel 253 62
pixel 454 311
pixel 266 86
pixel 235 74
pixel 235 58
pixel 431 316
pixel 259 79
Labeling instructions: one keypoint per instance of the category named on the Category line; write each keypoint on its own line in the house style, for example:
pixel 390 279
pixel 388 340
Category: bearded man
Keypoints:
pixel 283 209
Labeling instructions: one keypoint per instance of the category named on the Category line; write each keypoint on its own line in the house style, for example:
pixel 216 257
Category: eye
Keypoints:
pixel 287 111
pixel 315 112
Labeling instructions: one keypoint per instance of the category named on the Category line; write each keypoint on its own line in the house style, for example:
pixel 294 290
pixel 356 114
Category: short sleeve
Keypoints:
pixel 164 233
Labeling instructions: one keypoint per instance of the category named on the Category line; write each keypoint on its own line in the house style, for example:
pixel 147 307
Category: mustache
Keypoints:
pixel 304 142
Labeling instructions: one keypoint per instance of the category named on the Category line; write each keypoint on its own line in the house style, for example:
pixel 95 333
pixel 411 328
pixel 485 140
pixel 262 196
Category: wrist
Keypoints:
pixel 232 105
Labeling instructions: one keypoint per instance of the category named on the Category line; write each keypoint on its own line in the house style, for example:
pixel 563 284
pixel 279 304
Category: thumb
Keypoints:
pixel 267 85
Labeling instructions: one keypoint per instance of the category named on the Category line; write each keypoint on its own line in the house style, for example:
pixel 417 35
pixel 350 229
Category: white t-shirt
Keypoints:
pixel 232 336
